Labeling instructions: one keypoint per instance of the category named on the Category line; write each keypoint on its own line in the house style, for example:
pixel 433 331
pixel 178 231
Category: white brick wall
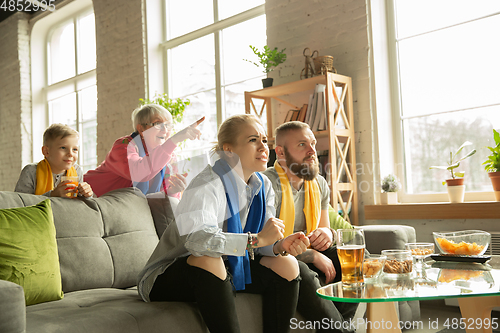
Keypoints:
pixel 121 68
pixel 337 28
pixel 15 99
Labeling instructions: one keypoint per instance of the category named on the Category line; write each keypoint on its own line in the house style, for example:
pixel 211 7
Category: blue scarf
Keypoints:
pixel 239 267
pixel 154 185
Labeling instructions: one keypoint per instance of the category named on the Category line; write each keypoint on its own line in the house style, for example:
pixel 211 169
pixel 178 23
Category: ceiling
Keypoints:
pixel 26 6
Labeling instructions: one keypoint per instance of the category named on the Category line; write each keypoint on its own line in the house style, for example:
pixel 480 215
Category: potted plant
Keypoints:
pixel 455 184
pixel 390 188
pixel 268 59
pixel 176 107
pixel 492 165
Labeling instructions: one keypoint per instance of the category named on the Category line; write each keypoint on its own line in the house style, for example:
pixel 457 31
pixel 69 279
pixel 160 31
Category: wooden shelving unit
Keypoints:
pixel 339 137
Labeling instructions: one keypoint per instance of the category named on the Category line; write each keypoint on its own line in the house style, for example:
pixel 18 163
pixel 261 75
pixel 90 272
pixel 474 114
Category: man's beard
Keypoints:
pixel 306 171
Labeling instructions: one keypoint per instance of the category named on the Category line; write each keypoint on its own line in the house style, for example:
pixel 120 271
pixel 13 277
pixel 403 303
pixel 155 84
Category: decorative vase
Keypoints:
pixel 495 181
pixel 388 198
pixel 456 193
pixel 267 82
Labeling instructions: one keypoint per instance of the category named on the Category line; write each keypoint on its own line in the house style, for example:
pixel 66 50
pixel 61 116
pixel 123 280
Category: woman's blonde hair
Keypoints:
pixel 229 130
pixel 144 114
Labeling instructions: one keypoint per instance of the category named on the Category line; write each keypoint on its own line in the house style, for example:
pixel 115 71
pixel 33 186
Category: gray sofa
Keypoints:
pixel 103 243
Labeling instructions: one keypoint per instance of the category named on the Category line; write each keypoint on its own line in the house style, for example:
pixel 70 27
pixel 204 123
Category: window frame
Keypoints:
pixel 397 119
pixel 43 27
pixel 215 29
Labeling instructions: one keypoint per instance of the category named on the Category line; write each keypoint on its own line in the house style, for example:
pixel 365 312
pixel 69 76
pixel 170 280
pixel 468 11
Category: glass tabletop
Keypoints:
pixel 443 279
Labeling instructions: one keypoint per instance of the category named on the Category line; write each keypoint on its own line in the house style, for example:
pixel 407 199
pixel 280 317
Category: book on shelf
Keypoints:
pixel 289 116
pixel 308 111
pixel 320 108
pixel 295 115
pixel 302 113
pixel 313 104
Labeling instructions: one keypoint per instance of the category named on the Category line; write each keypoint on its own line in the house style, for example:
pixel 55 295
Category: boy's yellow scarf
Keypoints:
pixel 44 179
pixel 312 204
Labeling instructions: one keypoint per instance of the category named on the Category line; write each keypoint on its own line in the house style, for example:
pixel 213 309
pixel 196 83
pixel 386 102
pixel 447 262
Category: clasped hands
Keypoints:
pixel 321 239
pixel 273 233
pixel 65 188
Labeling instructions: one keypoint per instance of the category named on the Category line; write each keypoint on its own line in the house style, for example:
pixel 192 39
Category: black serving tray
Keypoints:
pixel 460 258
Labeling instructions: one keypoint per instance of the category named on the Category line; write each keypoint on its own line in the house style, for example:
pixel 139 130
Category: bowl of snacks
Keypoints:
pixel 398 262
pixel 372 266
pixel 465 243
pixel 420 250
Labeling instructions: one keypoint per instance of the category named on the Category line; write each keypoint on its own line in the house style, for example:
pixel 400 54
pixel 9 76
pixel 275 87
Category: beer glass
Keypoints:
pixel 351 252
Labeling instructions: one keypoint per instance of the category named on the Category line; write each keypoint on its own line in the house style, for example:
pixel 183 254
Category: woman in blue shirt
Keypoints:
pixel 225 218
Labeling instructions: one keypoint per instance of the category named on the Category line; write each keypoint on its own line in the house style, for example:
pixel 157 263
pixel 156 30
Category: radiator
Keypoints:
pixel 494 248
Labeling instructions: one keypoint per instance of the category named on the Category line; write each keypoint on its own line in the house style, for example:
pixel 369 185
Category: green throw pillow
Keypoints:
pixel 336 221
pixel 28 252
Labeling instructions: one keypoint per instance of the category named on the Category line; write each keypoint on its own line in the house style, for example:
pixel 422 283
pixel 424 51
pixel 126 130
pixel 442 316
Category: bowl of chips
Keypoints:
pixel 464 243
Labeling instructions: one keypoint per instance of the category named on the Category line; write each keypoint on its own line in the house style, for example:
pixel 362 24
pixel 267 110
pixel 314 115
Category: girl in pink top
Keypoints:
pixel 142 159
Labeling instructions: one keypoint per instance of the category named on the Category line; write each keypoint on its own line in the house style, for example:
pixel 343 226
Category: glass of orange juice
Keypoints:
pixel 73 182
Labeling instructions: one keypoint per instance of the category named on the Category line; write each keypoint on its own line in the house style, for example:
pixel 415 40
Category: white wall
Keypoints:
pixel 121 68
pixel 15 99
pixel 340 29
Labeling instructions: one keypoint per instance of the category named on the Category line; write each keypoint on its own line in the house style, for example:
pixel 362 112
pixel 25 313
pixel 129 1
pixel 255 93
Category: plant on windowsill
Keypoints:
pixel 268 59
pixel 492 165
pixel 390 188
pixel 455 184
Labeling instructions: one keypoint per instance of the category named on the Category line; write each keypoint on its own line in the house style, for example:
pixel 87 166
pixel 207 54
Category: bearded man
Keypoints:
pixel 301 201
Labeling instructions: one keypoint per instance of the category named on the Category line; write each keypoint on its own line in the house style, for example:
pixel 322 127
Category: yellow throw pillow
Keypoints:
pixel 28 252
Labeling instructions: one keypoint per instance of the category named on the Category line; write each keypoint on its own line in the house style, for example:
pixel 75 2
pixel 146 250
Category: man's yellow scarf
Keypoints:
pixel 44 179
pixel 312 202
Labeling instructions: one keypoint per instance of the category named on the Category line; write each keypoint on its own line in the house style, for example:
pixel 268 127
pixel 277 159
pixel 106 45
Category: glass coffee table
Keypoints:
pixel 475 285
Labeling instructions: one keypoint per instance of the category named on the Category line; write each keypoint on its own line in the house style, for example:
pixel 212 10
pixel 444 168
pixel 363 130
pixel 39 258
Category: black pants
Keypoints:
pixel 315 308
pixel 215 298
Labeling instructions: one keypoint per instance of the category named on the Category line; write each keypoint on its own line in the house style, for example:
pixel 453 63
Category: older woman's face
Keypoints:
pixel 158 133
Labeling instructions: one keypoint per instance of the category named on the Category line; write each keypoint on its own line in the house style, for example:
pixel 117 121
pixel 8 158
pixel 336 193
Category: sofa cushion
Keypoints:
pixel 112 310
pixel 28 252
pixel 162 209
pixel 103 242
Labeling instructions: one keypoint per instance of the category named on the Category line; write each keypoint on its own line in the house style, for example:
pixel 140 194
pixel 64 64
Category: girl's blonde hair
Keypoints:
pixel 144 114
pixel 229 130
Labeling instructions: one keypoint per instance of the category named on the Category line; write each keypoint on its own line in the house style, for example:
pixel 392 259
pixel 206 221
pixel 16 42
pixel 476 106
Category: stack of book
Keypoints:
pixel 314 113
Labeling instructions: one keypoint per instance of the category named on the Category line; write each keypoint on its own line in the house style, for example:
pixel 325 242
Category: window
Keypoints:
pixel 71 91
pixel 447 69
pixel 204 52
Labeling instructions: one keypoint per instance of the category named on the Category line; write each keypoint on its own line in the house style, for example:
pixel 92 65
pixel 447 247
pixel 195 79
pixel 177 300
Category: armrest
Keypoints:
pixel 387 237
pixel 12 308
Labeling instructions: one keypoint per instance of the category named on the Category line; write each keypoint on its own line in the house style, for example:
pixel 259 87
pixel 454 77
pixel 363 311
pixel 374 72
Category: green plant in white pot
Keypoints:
pixel 492 165
pixel 455 184
pixel 268 60
pixel 390 187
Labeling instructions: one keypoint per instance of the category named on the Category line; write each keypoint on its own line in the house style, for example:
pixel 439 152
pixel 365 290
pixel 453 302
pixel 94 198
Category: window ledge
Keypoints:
pixel 438 210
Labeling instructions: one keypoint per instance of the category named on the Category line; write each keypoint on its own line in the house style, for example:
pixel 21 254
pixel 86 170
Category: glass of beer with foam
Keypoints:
pixel 351 252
